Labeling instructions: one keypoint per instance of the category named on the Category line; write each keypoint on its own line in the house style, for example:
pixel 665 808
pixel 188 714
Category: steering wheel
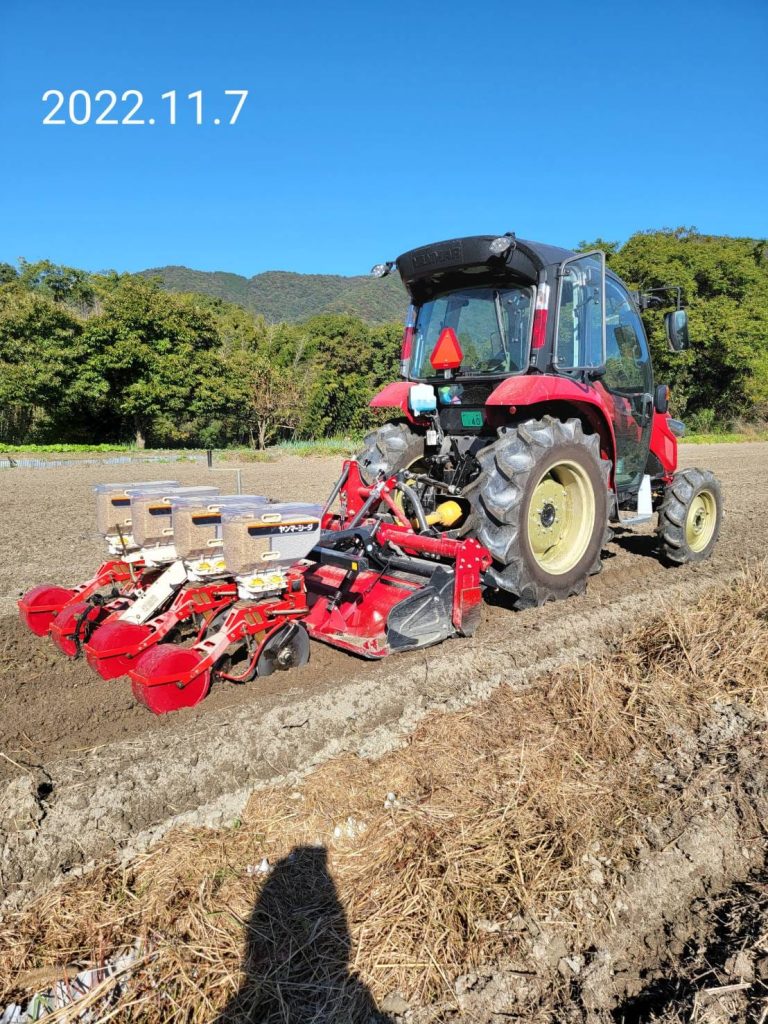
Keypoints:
pixel 497 361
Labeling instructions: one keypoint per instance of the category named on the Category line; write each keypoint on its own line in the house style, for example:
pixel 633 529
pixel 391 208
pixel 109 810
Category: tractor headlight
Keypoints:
pixel 500 246
pixel 382 269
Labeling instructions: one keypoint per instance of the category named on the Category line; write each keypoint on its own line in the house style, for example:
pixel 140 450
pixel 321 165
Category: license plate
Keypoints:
pixel 471 418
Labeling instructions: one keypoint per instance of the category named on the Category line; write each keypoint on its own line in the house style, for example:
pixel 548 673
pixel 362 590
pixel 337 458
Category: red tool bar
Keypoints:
pixel 443 547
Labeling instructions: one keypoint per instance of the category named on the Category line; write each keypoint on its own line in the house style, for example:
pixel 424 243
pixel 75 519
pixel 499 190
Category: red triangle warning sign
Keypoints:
pixel 447 354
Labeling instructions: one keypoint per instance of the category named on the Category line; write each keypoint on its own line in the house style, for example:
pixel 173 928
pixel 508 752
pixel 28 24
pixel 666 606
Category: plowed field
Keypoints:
pixel 85 771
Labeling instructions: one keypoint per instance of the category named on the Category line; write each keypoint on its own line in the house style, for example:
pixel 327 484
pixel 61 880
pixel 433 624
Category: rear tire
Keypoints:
pixel 389 449
pixel 541 507
pixel 690 516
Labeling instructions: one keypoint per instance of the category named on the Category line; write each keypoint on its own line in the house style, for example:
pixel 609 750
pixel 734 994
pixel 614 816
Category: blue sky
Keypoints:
pixel 374 127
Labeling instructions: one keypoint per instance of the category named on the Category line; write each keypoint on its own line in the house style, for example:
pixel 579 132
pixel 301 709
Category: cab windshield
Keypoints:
pixel 493 326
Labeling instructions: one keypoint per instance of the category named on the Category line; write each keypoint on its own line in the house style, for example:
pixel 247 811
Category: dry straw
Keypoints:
pixel 495 814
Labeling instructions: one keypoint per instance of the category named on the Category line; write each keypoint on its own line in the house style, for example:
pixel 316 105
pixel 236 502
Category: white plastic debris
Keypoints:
pixel 67 993
pixel 391 803
pixel 351 829
pixel 263 868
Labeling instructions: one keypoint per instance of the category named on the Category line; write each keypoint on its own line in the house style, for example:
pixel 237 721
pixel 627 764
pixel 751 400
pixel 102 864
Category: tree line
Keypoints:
pixel 93 358
pixel 102 358
pixel 723 377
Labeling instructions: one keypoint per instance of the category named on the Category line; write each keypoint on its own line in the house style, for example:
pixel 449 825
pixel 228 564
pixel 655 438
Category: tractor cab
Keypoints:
pixel 529 401
pixel 489 314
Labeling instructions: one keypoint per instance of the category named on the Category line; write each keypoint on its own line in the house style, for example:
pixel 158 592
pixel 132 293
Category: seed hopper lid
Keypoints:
pixel 167 494
pixel 148 485
pixel 275 512
pixel 218 502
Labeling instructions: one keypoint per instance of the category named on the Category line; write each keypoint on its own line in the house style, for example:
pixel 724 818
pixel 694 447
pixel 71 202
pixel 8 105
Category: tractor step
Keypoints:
pixel 644 511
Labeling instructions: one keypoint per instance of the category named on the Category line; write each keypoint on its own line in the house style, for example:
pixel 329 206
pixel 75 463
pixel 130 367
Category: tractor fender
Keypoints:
pixel 592 403
pixel 664 443
pixel 394 396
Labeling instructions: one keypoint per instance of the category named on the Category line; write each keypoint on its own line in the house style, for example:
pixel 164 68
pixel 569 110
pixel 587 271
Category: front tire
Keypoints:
pixel 541 506
pixel 690 515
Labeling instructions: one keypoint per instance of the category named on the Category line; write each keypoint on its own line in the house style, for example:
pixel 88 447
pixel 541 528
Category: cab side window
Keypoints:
pixel 580 314
pixel 627 366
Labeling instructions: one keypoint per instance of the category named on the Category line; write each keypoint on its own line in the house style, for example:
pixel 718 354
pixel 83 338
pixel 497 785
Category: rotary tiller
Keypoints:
pixel 371 583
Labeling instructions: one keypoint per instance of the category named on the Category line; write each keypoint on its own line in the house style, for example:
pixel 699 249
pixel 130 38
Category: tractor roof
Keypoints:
pixel 444 265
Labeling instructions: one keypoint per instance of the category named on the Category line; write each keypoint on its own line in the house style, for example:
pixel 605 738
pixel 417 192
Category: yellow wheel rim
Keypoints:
pixel 561 517
pixel 700 521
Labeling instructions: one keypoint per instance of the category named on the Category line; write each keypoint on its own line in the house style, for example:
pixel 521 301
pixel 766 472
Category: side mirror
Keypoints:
pixel 676 326
pixel 661 398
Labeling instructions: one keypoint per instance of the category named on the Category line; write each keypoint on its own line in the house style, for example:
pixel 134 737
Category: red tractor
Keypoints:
pixel 529 409
pixel 531 427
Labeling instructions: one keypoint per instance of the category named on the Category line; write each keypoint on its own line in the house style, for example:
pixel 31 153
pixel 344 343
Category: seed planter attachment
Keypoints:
pixel 371 586
pixel 40 605
pixel 253 639
pixel 182 599
pixel 114 647
pixel 359 574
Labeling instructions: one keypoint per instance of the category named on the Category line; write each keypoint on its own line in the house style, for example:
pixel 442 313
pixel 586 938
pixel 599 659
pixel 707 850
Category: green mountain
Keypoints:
pixel 282 295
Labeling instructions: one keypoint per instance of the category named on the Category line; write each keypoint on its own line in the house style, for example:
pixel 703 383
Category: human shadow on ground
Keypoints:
pixel 297 953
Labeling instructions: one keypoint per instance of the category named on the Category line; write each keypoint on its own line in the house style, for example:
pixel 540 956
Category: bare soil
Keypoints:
pixel 589 849
pixel 88 772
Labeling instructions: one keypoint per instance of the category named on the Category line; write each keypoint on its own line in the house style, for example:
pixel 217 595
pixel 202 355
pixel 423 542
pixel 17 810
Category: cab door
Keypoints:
pixel 628 378
pixel 599 329
pixel 580 333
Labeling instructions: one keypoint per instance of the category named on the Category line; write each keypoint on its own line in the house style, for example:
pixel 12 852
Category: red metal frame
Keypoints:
pixel 167 677
pixel 40 605
pixel 114 646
